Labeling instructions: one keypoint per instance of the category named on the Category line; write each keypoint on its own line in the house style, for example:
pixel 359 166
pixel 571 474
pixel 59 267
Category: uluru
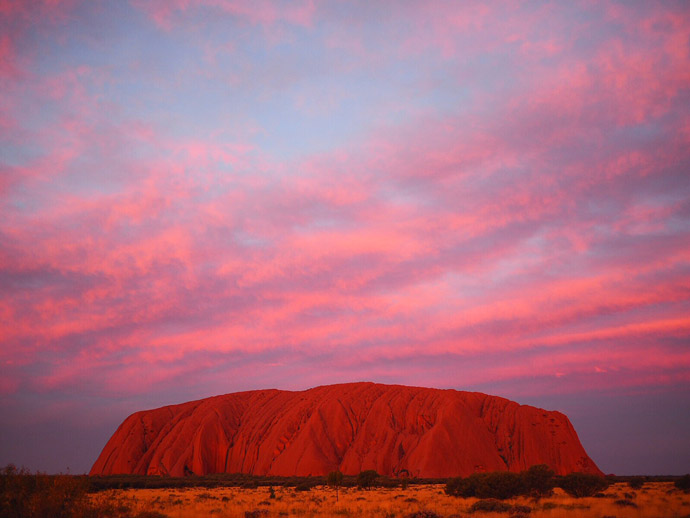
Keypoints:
pixel 350 427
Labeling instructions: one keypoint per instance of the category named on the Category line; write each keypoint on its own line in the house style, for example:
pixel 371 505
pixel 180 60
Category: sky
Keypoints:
pixel 204 197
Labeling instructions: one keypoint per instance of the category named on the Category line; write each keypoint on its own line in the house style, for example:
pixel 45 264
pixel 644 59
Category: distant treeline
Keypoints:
pixel 102 482
pixel 539 482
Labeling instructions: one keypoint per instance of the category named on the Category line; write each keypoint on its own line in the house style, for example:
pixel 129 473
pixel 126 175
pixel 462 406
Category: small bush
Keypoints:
pixel 490 505
pixel 304 486
pixel 150 514
pixel 366 479
pixel 497 485
pixel 27 495
pixel 636 482
pixel 683 483
pixel 500 485
pixel 455 486
pixel 520 510
pixel 335 480
pixel 538 481
pixel 423 513
pixel 625 503
pixel 583 484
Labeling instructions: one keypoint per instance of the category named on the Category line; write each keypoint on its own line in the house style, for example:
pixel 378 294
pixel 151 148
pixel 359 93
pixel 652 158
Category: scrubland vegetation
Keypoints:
pixel 37 496
pixel 654 500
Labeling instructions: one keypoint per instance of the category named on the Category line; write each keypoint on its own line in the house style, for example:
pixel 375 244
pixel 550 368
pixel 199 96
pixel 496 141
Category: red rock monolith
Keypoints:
pixel 351 428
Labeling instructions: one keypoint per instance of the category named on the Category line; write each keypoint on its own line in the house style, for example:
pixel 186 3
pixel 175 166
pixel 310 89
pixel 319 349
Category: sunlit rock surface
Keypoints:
pixel 350 427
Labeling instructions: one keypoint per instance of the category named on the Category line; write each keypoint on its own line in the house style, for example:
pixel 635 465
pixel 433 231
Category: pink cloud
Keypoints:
pixel 260 12
pixel 506 228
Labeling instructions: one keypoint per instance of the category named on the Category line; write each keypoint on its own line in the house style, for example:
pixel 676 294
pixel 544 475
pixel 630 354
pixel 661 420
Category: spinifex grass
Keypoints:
pixel 653 500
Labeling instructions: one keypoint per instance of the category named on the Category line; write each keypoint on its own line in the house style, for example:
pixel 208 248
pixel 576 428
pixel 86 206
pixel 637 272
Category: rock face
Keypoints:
pixel 351 427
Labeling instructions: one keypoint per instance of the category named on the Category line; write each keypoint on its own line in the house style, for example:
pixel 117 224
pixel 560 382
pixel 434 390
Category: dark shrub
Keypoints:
pixel 423 513
pixel 470 486
pixel 455 486
pixel 367 479
pixel 303 486
pixel 520 510
pixel 499 485
pixel 23 494
pixel 683 483
pixel 538 481
pixel 335 479
pixel 582 484
pixel 150 514
pixel 27 495
pixel 625 503
pixel 490 505
pixel 636 482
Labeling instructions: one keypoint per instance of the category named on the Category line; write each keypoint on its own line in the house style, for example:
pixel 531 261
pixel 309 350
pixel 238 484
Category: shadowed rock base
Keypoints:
pixel 350 427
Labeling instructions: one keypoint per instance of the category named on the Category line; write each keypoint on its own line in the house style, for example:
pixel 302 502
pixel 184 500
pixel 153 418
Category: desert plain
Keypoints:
pixel 653 500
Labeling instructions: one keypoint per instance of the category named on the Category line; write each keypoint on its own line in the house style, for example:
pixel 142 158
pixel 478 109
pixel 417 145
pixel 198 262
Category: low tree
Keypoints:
pixel 683 483
pixel 457 487
pixel 583 484
pixel 538 481
pixel 366 479
pixel 498 485
pixel 335 479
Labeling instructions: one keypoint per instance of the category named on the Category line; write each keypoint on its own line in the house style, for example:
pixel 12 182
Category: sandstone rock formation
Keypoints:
pixel 350 427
